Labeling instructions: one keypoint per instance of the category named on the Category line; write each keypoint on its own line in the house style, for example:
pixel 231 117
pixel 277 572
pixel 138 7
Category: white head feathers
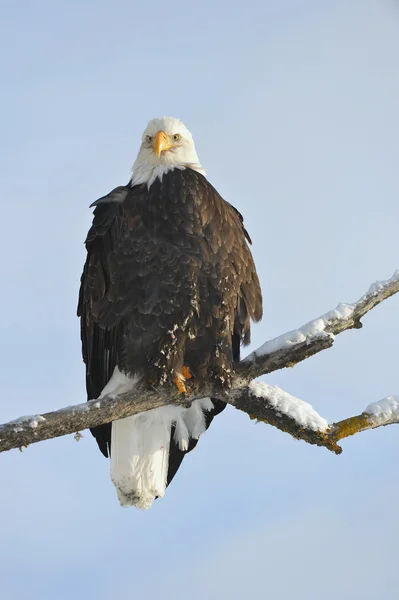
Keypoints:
pixel 166 144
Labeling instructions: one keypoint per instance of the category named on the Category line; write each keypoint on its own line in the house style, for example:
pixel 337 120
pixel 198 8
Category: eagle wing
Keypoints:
pixel 100 343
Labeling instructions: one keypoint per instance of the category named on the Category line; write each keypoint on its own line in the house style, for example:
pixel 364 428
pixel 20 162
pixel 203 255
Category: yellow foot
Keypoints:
pixel 186 372
pixel 178 380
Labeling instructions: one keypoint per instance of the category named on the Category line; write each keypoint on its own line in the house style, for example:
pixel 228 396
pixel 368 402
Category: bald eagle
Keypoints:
pixel 167 294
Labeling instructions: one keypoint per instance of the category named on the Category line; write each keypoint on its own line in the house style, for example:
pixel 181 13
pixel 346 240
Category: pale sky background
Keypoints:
pixel 294 107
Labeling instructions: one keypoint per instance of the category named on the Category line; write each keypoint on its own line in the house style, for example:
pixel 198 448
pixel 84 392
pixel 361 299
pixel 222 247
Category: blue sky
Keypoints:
pixel 294 110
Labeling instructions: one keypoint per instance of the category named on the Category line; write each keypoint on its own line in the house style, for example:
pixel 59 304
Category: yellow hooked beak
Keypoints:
pixel 161 143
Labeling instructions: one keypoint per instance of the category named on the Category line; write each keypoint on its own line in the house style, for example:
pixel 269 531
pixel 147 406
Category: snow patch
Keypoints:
pixel 384 411
pixel 306 333
pixel 285 404
pixel 317 328
pixel 309 332
pixel 31 421
pixel 377 286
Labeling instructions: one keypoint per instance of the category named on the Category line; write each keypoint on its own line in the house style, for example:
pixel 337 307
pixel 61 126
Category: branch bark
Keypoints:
pixel 309 427
pixel 260 401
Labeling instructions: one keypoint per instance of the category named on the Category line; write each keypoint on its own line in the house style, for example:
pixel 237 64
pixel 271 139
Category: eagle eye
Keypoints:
pixel 176 137
pixel 148 138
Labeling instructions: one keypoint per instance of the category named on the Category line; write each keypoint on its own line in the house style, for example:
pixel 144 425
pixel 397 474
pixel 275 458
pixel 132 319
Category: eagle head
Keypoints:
pixel 165 144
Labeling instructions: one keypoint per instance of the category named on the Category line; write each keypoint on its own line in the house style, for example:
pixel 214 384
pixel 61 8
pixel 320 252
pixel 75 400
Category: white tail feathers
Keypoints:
pixel 139 458
pixel 140 444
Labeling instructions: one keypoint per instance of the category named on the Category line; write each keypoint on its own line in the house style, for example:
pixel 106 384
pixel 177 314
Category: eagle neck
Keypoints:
pixel 145 173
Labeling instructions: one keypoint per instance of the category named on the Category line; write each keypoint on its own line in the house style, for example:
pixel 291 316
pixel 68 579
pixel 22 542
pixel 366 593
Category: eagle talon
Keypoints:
pixel 178 380
pixel 186 373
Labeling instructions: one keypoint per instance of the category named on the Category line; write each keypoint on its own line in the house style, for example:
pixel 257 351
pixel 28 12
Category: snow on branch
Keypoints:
pixel 265 403
pixel 290 348
pixel 299 419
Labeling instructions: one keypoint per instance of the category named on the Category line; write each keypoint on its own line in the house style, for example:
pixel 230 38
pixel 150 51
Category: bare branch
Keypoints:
pixel 319 334
pixel 36 428
pixel 263 402
pixel 379 414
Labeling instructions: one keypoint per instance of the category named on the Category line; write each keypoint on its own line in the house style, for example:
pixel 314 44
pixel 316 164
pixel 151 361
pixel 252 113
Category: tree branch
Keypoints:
pixel 295 346
pixel 265 403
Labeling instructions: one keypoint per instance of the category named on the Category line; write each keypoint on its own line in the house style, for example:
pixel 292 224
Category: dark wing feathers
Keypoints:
pixel 99 344
pixel 239 265
pixel 117 195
